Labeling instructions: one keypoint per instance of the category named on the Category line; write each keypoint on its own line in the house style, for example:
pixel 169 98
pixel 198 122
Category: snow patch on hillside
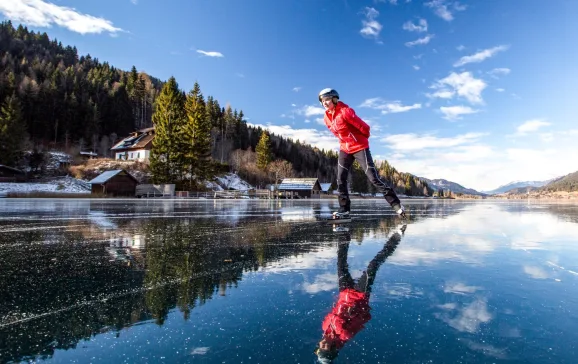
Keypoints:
pixel 63 184
pixel 233 181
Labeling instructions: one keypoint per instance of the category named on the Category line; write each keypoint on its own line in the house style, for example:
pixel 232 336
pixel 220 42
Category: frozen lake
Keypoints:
pixel 259 282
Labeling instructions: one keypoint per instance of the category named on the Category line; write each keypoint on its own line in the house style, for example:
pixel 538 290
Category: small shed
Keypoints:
pixel 303 187
pixel 116 183
pixel 9 174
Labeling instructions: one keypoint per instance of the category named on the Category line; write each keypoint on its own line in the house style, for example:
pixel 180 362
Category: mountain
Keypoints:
pixel 522 190
pixel 518 184
pixel 443 184
pixel 567 183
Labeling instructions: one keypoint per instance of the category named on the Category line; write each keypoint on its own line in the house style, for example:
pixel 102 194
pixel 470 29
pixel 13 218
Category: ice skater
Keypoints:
pixel 353 134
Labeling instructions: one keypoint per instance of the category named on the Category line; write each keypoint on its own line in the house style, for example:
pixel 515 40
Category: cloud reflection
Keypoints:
pixel 468 318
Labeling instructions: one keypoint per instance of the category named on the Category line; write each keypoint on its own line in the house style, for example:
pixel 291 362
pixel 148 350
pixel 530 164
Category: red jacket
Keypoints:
pixel 347 317
pixel 348 127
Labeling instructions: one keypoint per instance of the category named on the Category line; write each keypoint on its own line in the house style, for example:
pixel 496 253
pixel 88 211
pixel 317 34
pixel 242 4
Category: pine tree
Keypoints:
pixel 12 131
pixel 167 157
pixel 263 151
pixel 243 133
pixel 197 135
pixel 407 185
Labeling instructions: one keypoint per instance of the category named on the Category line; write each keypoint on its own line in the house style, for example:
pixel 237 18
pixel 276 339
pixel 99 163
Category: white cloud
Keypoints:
pixel 461 84
pixel 460 48
pixel 454 112
pixel 480 56
pixel 392 2
pixel 371 27
pixel 134 1
pixel 388 107
pixel 321 259
pixel 421 26
pixel 240 75
pixel 200 350
pixel 415 142
pixel 460 288
pixel 499 71
pixel 420 41
pixel 469 318
pixel 321 139
pixel 444 8
pixel 415 67
pixel 547 137
pixel 44 14
pixel 468 160
pixel 442 94
pixel 296 89
pixel 309 110
pixel 531 126
pixel 210 53
pixel 322 282
pixel 536 272
pixel 499 89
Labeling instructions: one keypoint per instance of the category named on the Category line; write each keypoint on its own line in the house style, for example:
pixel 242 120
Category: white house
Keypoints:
pixel 137 146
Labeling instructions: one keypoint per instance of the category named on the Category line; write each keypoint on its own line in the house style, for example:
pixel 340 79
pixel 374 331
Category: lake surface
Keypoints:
pixel 259 282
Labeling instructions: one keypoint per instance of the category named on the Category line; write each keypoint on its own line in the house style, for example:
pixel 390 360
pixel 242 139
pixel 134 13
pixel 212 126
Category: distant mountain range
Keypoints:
pixel 568 183
pixel 518 185
pixel 444 184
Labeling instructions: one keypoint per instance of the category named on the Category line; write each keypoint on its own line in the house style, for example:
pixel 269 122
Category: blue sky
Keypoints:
pixel 478 92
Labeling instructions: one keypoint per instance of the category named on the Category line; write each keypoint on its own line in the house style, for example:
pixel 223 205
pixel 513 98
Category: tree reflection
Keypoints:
pixel 65 286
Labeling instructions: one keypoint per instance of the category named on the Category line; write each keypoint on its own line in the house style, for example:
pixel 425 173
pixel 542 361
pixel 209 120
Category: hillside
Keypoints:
pixel 565 188
pixel 442 184
pixel 568 183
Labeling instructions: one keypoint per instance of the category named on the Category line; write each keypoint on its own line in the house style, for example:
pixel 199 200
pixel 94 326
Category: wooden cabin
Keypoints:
pixel 114 183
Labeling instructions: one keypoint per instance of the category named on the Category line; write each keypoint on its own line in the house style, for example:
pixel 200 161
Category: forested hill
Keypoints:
pixel 53 98
pixel 567 183
pixel 65 97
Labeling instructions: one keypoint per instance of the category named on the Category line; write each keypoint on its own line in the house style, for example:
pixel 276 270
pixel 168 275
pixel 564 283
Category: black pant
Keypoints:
pixel 365 282
pixel 364 159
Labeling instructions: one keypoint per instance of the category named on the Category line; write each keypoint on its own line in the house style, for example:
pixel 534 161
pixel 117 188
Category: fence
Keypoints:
pixel 233 194
pixel 164 190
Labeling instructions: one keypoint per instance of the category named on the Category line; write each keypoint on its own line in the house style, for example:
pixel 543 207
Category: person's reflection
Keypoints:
pixel 351 311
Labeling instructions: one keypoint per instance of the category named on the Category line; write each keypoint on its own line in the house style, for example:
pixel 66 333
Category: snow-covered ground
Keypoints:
pixel 63 184
pixel 73 185
pixel 232 181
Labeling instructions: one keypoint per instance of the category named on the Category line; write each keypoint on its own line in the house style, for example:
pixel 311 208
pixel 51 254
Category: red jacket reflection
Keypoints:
pixel 347 317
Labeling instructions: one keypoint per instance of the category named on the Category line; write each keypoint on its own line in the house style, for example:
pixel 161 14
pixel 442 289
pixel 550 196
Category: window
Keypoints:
pixel 131 155
pixel 138 155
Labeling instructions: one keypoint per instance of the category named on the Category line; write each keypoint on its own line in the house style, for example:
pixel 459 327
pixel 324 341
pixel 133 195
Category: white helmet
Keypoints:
pixel 328 92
